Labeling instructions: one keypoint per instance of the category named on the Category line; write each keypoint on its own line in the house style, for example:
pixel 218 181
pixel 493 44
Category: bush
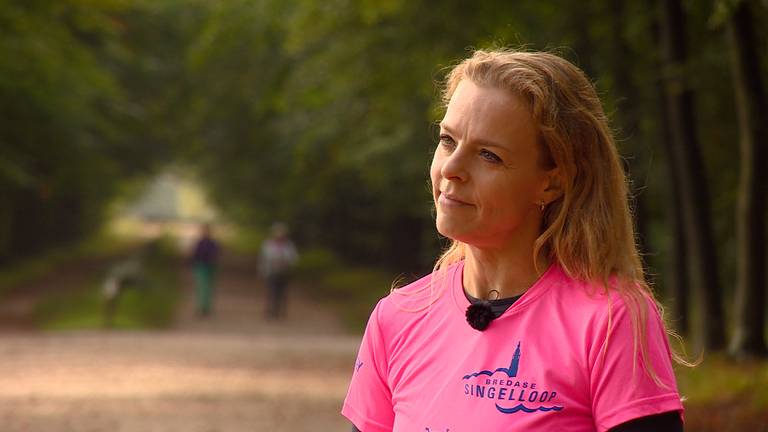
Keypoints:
pixel 314 263
pixel 350 291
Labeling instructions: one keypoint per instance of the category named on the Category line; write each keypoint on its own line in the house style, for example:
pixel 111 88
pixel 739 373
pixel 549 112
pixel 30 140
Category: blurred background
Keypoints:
pixel 125 125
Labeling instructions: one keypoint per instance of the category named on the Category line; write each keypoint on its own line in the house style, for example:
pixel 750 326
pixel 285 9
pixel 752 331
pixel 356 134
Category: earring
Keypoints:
pixel 542 203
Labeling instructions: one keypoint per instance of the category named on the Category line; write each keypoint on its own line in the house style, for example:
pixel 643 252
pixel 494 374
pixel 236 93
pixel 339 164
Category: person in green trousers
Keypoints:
pixel 204 259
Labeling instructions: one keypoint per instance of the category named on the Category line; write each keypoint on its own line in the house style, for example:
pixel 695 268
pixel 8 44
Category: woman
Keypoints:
pixel 538 317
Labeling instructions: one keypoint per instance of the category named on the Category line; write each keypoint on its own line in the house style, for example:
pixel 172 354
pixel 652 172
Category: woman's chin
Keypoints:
pixel 453 232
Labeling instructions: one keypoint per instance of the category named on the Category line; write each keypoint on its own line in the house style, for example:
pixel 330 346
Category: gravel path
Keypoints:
pixel 230 372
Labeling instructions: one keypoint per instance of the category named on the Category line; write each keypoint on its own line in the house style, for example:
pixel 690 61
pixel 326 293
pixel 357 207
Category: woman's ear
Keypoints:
pixel 554 186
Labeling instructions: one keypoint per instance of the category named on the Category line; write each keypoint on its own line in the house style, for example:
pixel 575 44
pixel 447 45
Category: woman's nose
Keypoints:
pixel 454 166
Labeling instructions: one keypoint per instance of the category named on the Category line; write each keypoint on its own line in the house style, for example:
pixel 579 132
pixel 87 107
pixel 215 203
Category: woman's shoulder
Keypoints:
pixel 599 298
pixel 416 298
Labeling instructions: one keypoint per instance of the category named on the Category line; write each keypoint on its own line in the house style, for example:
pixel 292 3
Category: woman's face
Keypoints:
pixel 486 176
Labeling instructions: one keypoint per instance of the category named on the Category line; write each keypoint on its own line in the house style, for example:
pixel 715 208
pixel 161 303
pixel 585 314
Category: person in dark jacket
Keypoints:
pixel 204 259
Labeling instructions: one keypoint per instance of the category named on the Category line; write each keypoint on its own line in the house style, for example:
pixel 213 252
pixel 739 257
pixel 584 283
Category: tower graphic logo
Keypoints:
pixel 511 371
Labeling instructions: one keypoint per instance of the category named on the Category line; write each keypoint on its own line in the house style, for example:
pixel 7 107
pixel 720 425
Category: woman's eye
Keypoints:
pixel 490 156
pixel 447 142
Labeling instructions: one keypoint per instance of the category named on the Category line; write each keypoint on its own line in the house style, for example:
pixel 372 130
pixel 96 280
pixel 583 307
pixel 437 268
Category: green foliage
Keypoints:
pixel 316 263
pixel 243 241
pixel 351 291
pixel 319 113
pixel 84 105
pixel 315 113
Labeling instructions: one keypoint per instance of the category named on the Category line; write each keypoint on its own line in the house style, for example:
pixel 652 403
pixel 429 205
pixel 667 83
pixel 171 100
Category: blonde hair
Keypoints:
pixel 588 230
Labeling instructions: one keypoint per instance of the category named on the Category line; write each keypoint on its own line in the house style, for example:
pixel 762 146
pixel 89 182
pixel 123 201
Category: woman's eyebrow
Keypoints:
pixel 481 142
pixel 486 143
pixel 446 127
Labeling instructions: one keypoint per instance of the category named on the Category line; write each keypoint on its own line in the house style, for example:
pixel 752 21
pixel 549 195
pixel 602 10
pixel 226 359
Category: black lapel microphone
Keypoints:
pixel 479 315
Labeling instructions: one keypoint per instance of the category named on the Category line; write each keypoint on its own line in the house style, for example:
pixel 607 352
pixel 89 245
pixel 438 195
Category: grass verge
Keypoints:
pixel 102 244
pixel 149 302
pixel 725 395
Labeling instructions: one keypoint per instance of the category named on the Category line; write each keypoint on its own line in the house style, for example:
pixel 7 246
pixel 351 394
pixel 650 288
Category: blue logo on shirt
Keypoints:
pixel 511 371
pixel 508 389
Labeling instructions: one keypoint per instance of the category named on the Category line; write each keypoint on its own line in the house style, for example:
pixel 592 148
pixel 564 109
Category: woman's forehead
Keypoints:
pixel 485 113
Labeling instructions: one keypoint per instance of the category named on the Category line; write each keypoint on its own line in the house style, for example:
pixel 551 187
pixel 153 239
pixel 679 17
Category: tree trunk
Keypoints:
pixel 627 102
pixel 694 203
pixel 677 280
pixel 749 317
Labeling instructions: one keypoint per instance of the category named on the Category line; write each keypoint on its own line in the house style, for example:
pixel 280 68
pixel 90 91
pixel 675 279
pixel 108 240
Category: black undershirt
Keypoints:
pixel 665 422
pixel 498 306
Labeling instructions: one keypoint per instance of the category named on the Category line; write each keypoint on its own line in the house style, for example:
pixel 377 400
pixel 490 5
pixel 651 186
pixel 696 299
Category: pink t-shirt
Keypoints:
pixel 541 366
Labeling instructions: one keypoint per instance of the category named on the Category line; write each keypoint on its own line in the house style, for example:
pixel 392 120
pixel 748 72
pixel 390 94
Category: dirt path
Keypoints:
pixel 230 372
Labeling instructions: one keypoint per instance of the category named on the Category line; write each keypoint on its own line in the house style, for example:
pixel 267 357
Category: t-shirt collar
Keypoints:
pixel 531 294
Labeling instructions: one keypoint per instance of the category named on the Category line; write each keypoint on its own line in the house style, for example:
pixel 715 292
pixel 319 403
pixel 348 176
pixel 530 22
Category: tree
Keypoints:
pixel 685 155
pixel 73 120
pixel 746 56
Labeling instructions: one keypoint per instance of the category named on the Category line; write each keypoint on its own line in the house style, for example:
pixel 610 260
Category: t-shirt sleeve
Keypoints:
pixel 621 387
pixel 368 404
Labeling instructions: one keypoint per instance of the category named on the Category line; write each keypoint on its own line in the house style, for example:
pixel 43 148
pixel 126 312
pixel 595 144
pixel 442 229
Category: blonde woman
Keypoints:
pixel 538 317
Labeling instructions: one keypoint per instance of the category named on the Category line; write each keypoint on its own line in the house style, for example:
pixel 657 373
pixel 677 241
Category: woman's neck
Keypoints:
pixel 510 272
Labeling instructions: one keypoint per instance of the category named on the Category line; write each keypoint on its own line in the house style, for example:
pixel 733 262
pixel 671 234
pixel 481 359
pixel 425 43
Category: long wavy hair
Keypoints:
pixel 589 229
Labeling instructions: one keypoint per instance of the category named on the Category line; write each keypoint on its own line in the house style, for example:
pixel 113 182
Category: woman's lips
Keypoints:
pixel 451 201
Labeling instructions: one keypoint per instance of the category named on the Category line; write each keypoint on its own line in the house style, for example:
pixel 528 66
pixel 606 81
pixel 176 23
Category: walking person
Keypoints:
pixel 538 317
pixel 204 261
pixel 278 256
